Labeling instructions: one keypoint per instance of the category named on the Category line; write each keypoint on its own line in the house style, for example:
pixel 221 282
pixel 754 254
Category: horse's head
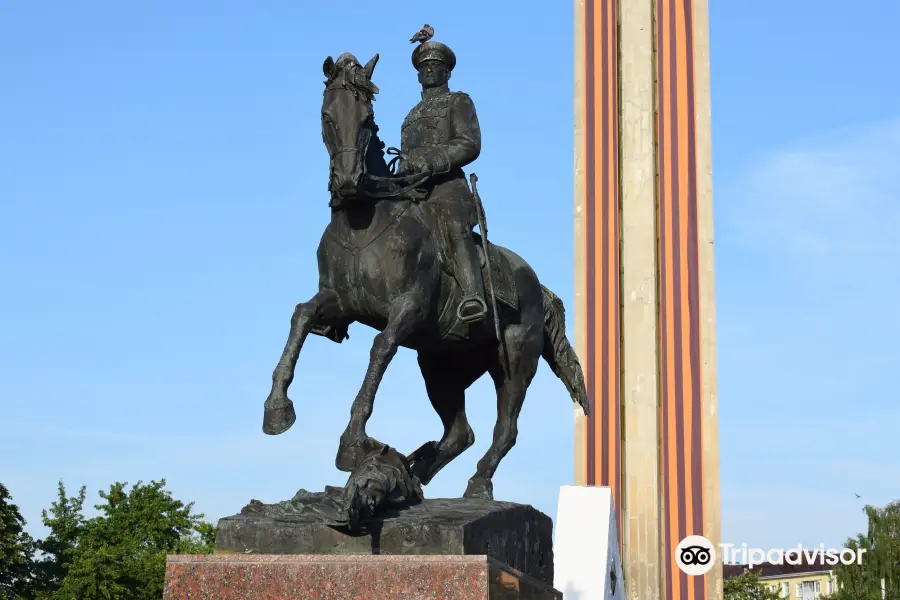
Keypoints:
pixel 347 121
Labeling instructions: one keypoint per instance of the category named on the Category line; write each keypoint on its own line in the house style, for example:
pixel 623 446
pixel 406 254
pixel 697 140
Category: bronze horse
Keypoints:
pixel 381 264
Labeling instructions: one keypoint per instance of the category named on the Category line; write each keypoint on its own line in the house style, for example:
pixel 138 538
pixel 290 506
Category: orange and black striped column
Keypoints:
pixel 597 218
pixel 645 303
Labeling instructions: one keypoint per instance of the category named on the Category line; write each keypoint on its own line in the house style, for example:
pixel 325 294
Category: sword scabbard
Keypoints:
pixel 482 224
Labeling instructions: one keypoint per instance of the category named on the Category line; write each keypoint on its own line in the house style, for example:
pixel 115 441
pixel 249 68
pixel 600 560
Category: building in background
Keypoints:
pixel 803 581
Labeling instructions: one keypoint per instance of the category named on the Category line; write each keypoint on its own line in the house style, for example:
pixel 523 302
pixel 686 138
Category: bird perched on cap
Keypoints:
pixel 423 35
pixel 429 50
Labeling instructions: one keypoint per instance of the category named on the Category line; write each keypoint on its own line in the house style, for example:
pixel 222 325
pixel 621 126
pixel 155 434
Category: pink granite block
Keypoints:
pixel 349 577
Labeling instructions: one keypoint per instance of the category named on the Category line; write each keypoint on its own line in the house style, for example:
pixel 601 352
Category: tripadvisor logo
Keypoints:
pixel 695 555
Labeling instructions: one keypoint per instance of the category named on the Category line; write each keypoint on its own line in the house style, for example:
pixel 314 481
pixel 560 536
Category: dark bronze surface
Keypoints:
pixel 400 255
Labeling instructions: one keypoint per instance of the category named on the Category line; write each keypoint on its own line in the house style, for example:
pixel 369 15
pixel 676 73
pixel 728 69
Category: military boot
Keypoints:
pixel 472 307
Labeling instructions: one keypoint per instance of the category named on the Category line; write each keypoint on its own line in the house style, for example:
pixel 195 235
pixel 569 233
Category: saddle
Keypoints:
pixel 504 282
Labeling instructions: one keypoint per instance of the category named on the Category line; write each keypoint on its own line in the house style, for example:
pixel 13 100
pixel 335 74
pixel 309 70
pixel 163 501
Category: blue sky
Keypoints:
pixel 163 190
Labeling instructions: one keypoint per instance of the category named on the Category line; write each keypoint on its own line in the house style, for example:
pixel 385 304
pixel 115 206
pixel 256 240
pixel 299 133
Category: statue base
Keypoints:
pixel 516 535
pixel 280 577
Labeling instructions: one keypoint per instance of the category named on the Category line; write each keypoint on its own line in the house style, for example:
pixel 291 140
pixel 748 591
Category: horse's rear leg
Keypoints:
pixel 446 381
pixel 511 383
pixel 279 412
pixel 406 314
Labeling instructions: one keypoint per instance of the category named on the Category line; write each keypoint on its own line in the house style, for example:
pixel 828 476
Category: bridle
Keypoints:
pixel 415 179
pixel 365 149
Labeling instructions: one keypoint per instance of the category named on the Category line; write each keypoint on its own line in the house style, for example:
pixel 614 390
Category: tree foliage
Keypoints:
pixel 65 520
pixel 16 551
pixel 881 560
pixel 120 554
pixel 747 586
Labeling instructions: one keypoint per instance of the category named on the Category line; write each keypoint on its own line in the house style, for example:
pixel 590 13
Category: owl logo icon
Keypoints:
pixel 695 555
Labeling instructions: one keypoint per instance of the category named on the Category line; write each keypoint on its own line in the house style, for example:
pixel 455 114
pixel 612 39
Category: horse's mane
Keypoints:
pixel 348 73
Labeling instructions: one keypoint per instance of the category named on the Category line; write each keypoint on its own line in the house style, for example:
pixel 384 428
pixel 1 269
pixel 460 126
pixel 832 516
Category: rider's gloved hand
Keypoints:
pixel 416 162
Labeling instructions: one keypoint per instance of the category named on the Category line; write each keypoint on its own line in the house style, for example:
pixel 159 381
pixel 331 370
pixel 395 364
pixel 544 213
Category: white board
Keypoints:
pixel 586 561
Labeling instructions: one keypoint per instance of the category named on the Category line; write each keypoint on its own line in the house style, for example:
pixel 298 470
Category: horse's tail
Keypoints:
pixel 558 352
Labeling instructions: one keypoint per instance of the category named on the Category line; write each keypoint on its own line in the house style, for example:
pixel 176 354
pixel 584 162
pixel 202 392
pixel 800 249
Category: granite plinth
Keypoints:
pixel 367 577
pixel 517 535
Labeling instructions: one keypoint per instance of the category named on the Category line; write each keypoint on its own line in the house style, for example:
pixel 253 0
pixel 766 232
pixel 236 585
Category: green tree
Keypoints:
pixel 121 554
pixel 66 521
pixel 747 586
pixel 16 551
pixel 880 562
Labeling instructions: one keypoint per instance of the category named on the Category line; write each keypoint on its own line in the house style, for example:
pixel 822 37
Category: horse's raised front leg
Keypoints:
pixel 279 412
pixel 406 314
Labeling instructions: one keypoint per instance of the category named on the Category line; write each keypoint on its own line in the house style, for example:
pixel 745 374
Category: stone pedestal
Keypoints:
pixel 516 535
pixel 285 577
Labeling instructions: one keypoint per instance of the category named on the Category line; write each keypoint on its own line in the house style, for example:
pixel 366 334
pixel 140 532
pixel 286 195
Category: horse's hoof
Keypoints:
pixel 427 451
pixel 353 451
pixel 349 455
pixel 421 462
pixel 482 489
pixel 278 417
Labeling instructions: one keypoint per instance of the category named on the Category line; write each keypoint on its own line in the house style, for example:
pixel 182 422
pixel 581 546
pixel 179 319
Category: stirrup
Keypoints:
pixel 480 315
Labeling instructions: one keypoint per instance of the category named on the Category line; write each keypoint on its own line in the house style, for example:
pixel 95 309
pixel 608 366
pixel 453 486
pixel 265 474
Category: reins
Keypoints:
pixel 417 179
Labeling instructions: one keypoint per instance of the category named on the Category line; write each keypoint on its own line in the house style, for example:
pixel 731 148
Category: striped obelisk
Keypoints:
pixel 645 301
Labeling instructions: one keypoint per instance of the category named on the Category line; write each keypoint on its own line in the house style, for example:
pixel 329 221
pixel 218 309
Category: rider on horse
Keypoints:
pixel 441 135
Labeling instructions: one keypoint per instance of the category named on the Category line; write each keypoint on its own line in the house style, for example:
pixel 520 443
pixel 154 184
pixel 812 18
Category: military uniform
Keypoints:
pixel 441 135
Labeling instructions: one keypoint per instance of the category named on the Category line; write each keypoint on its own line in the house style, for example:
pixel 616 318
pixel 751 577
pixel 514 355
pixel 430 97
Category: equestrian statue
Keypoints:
pixel 400 255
